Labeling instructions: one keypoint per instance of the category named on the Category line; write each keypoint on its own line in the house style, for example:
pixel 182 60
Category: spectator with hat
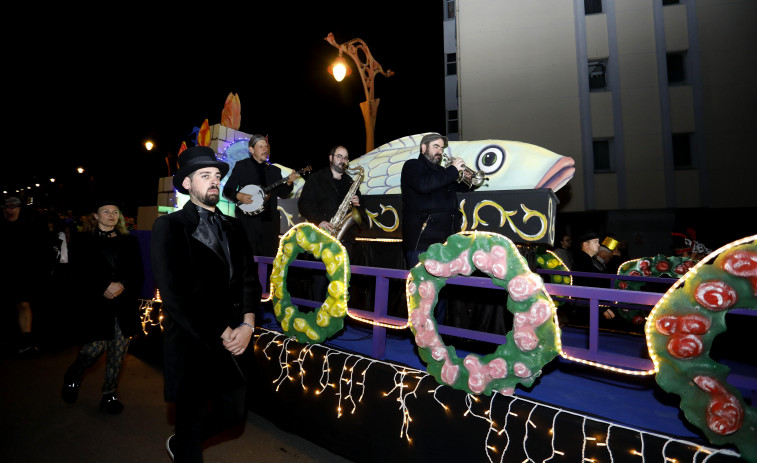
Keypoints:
pixel 108 276
pixel 208 282
pixel 608 257
pixel 585 260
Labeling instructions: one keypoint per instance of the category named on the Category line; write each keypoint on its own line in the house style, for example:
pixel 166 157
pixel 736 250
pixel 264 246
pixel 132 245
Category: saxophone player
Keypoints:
pixel 324 192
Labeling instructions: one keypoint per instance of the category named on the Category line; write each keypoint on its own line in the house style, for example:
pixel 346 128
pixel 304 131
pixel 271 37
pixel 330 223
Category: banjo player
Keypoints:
pixel 262 223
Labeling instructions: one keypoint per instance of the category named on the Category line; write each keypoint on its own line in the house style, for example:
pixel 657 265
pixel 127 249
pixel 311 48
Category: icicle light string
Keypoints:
pixel 403 388
pixel 525 437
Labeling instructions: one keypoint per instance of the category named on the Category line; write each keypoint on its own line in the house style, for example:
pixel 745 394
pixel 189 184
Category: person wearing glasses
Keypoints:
pixel 320 199
pixel 325 190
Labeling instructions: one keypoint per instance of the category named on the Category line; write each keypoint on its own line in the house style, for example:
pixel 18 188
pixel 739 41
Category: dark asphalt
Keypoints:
pixel 37 426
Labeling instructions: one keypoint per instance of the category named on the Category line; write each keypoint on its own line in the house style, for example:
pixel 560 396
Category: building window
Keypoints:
pixel 597 75
pixel 451 64
pixel 682 158
pixel 670 2
pixel 450 9
pixel 592 6
pixel 452 125
pixel 676 68
pixel 602 156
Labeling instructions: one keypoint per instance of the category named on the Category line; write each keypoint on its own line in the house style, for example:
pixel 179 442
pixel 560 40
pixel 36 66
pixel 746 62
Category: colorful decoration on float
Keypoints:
pixel 680 332
pixel 203 136
pixel 534 340
pixel 506 217
pixel 231 116
pixel 317 326
pixel 508 165
pixel 548 260
pixel 373 218
pixel 658 266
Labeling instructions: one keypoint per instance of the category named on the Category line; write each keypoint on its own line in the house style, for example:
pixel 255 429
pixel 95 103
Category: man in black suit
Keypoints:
pixel 210 291
pixel 429 198
pixel 262 229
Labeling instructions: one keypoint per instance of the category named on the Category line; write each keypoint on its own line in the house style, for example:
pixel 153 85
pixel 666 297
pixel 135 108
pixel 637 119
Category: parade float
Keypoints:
pixel 374 397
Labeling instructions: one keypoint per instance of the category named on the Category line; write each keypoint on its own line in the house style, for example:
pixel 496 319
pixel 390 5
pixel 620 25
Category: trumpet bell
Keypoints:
pixel 477 179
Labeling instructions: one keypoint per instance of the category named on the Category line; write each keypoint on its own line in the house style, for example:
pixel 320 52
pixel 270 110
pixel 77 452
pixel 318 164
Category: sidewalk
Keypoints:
pixel 37 426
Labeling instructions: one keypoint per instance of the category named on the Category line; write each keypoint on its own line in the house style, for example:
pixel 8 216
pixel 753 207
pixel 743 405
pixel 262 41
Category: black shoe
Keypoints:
pixel 168 446
pixel 111 404
pixel 70 392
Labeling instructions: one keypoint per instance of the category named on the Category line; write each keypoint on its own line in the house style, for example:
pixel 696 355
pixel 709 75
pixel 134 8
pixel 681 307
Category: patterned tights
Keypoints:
pixel 89 354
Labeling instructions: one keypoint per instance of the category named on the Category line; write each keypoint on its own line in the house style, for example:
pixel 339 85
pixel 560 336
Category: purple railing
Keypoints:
pixel 609 297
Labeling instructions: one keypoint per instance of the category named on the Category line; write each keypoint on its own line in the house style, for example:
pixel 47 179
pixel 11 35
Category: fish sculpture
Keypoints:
pixel 507 165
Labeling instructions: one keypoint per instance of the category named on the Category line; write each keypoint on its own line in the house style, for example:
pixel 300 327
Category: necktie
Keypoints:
pixel 215 222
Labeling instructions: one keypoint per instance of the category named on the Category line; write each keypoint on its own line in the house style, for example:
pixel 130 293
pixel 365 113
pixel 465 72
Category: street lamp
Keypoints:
pixel 368 68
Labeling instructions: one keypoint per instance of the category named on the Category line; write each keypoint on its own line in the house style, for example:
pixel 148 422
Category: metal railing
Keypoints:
pixel 586 295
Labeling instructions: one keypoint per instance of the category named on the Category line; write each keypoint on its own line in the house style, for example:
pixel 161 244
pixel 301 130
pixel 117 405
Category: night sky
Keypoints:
pixel 95 89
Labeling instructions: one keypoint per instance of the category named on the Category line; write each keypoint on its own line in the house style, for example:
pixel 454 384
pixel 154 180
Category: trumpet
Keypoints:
pixel 475 179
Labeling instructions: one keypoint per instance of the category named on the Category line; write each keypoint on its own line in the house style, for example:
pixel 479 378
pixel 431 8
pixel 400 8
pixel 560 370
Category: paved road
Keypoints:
pixel 37 426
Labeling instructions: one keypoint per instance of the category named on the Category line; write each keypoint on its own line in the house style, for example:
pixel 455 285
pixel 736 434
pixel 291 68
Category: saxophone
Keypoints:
pixel 347 214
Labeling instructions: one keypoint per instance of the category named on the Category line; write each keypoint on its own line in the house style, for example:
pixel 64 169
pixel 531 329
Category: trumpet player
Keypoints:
pixel 429 202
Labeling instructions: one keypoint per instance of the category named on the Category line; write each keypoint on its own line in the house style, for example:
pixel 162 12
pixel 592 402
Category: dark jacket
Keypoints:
pixel 96 262
pixel 428 196
pixel 250 172
pixel 202 294
pixel 322 195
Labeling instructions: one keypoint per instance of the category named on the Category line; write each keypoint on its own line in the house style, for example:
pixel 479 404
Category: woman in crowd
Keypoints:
pixel 108 275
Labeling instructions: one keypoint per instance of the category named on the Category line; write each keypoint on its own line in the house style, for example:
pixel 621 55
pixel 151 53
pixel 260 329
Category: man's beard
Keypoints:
pixel 339 167
pixel 208 199
pixel 433 159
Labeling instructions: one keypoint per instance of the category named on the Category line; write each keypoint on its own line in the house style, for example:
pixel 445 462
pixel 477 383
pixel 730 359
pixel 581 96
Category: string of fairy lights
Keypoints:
pixel 343 377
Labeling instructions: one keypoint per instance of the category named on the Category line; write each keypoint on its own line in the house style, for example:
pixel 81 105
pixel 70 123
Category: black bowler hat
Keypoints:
pixel 587 236
pixel 105 201
pixel 195 158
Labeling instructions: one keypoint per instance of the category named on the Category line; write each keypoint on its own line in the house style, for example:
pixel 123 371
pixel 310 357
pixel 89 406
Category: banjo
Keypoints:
pixel 260 195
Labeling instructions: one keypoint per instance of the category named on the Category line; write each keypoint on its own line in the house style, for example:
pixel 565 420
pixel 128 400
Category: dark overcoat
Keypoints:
pixel 249 172
pixel 202 294
pixel 429 196
pixel 322 195
pixel 96 262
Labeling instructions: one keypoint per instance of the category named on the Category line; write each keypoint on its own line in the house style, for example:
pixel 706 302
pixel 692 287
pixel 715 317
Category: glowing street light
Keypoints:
pixel 80 170
pixel 340 69
pixel 149 145
pixel 368 68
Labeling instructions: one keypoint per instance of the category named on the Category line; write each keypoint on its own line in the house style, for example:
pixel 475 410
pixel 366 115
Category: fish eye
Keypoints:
pixel 490 159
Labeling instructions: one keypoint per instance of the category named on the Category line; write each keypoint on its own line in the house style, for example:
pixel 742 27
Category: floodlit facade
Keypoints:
pixel 654 99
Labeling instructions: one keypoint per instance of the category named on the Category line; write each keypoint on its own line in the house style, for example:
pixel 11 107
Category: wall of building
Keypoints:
pixel 523 75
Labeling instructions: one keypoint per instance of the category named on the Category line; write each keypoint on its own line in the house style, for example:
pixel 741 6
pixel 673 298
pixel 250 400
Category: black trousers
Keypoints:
pixel 198 419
